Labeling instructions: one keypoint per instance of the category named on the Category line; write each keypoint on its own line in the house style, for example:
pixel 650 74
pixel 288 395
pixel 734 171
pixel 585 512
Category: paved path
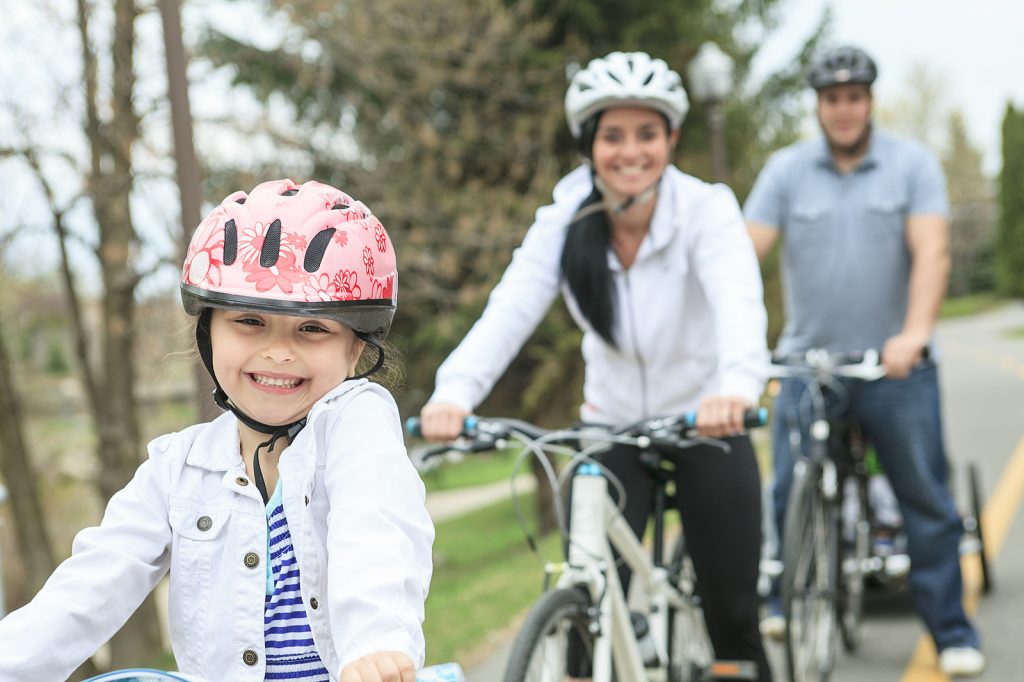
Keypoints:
pixel 446 504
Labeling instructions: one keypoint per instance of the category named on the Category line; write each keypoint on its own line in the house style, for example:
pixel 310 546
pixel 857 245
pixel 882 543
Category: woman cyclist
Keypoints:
pixel 657 270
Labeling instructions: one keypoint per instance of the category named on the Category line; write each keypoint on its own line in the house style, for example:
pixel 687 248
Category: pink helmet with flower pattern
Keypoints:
pixel 288 249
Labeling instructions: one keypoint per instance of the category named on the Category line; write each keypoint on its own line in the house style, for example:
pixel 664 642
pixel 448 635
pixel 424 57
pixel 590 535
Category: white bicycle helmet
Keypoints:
pixel 625 78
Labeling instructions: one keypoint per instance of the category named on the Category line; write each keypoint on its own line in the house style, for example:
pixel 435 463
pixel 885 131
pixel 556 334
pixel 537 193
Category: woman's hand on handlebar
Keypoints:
pixel 383 666
pixel 721 415
pixel 442 422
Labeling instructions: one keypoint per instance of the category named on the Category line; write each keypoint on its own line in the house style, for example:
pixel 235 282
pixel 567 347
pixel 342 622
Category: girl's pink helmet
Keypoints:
pixel 288 249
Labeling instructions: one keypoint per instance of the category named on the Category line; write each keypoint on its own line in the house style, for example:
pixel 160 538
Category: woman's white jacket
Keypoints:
pixel 689 314
pixel 360 532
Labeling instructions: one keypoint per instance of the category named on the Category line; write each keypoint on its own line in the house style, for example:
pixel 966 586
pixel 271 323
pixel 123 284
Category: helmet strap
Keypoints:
pixel 617 209
pixel 370 340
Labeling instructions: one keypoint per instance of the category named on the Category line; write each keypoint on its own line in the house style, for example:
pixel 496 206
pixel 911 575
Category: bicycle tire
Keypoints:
pixel 974 485
pixel 853 554
pixel 810 571
pixel 555 617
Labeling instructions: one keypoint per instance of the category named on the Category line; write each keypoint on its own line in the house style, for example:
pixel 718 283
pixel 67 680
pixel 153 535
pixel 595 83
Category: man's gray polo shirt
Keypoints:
pixel 845 262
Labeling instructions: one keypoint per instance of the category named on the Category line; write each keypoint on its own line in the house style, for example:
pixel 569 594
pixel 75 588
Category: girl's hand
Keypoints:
pixel 442 421
pixel 383 666
pixel 721 415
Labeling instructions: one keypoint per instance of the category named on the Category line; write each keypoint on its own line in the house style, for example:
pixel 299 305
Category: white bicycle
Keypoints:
pixel 586 615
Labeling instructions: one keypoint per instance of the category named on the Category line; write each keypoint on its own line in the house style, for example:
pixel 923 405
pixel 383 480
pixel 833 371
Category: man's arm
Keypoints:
pixel 928 241
pixel 764 238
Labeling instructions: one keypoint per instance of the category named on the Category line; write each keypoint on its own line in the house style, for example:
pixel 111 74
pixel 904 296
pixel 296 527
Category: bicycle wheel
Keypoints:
pixel 810 549
pixel 690 654
pixel 854 547
pixel 540 652
pixel 975 492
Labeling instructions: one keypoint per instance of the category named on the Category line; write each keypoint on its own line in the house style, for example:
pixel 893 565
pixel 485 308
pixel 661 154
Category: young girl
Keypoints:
pixel 293 526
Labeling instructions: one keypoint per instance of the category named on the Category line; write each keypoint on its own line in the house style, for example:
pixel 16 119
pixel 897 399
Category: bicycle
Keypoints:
pixel 444 672
pixel 668 643
pixel 827 555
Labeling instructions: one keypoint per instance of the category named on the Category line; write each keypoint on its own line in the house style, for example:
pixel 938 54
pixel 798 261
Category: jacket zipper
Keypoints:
pixel 636 346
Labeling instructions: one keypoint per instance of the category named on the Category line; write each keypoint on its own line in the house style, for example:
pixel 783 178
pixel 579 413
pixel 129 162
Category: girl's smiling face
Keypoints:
pixel 275 367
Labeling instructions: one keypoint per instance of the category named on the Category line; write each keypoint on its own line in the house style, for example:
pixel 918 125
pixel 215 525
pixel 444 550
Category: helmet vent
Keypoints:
pixel 289 192
pixel 339 207
pixel 317 248
pixel 240 201
pixel 271 245
pixel 230 242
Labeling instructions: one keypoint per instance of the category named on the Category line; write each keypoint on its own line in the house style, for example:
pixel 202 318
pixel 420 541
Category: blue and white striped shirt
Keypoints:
pixel 291 653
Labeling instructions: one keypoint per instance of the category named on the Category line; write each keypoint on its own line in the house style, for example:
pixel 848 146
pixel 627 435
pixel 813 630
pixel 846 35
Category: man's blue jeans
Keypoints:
pixel 901 418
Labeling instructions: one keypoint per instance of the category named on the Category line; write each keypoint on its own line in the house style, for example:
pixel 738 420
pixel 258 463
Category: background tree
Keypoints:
pixel 1010 239
pixel 94 175
pixel 972 212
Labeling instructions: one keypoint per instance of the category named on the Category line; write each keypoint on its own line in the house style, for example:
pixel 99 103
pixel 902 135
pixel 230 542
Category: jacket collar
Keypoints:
pixel 215 448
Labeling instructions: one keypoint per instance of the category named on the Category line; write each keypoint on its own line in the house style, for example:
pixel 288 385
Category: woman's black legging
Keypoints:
pixel 719 495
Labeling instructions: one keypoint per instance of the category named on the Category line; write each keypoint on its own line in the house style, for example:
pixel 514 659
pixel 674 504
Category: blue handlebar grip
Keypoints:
pixel 412 426
pixel 751 418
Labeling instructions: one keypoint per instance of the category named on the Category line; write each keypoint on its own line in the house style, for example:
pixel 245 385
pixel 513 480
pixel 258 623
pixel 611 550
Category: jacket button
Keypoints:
pixel 242 481
pixel 314 604
pixel 204 523
pixel 251 560
pixel 250 657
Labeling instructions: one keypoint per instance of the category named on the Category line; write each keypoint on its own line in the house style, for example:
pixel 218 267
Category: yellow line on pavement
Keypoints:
pixel 996 519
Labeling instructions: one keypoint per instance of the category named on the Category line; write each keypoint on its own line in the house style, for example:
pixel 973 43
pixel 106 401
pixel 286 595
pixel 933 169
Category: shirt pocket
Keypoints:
pixel 886 216
pixel 810 226
pixel 196 554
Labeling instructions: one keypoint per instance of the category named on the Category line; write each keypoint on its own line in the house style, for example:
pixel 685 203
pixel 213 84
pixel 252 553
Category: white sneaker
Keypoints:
pixel 774 627
pixel 962 661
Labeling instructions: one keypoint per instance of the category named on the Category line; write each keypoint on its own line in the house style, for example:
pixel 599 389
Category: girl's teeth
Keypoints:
pixel 275 383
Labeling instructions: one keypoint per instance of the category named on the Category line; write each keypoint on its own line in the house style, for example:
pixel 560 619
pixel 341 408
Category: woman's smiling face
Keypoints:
pixel 632 146
pixel 275 367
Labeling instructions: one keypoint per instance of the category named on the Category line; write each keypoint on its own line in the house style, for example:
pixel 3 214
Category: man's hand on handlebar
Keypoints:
pixel 721 415
pixel 901 353
pixel 442 422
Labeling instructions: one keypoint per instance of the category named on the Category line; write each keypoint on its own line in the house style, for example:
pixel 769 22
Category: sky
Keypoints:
pixel 976 48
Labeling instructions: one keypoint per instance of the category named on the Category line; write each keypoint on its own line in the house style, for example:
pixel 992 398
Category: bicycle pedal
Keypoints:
pixel 732 670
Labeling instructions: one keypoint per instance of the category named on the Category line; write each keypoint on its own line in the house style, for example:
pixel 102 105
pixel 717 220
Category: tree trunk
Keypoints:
pixel 34 549
pixel 109 188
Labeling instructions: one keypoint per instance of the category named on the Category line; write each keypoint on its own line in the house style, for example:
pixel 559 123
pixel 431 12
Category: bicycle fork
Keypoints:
pixel 594 567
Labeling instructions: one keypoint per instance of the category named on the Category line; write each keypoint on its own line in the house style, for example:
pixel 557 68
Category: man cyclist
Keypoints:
pixel 865 260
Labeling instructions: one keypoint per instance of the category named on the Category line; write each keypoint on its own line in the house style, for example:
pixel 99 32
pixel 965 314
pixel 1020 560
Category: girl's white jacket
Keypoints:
pixel 355 509
pixel 689 316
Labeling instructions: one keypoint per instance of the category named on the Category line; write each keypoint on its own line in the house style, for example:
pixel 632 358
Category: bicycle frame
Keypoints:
pixel 596 526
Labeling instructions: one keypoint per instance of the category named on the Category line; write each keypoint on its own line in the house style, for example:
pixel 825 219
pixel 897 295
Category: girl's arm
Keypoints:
pixel 378 534
pixel 89 597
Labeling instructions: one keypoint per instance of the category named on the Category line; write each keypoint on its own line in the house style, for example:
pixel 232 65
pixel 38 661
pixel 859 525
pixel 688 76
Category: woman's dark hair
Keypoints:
pixel 585 267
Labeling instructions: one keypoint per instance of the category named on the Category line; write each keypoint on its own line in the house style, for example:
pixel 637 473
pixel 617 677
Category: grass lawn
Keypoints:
pixel 473 469
pixel 484 576
pixel 969 305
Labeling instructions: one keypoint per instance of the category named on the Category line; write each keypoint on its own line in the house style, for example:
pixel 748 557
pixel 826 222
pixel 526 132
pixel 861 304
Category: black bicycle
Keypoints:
pixel 827 554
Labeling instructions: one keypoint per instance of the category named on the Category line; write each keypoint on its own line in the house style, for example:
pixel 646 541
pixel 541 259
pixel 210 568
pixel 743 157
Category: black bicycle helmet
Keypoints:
pixel 840 65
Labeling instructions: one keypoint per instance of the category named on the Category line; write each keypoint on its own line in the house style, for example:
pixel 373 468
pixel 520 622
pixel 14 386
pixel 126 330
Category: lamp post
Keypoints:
pixel 710 75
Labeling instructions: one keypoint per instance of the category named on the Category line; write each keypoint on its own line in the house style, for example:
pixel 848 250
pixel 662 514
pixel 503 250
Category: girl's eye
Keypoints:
pixel 313 329
pixel 248 321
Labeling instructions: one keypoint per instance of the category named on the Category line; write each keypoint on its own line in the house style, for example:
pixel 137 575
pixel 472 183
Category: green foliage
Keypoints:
pixel 1010 239
pixel 446 117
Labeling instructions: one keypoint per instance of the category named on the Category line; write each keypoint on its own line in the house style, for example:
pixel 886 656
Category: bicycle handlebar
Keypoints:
pixel 864 365
pixel 484 432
